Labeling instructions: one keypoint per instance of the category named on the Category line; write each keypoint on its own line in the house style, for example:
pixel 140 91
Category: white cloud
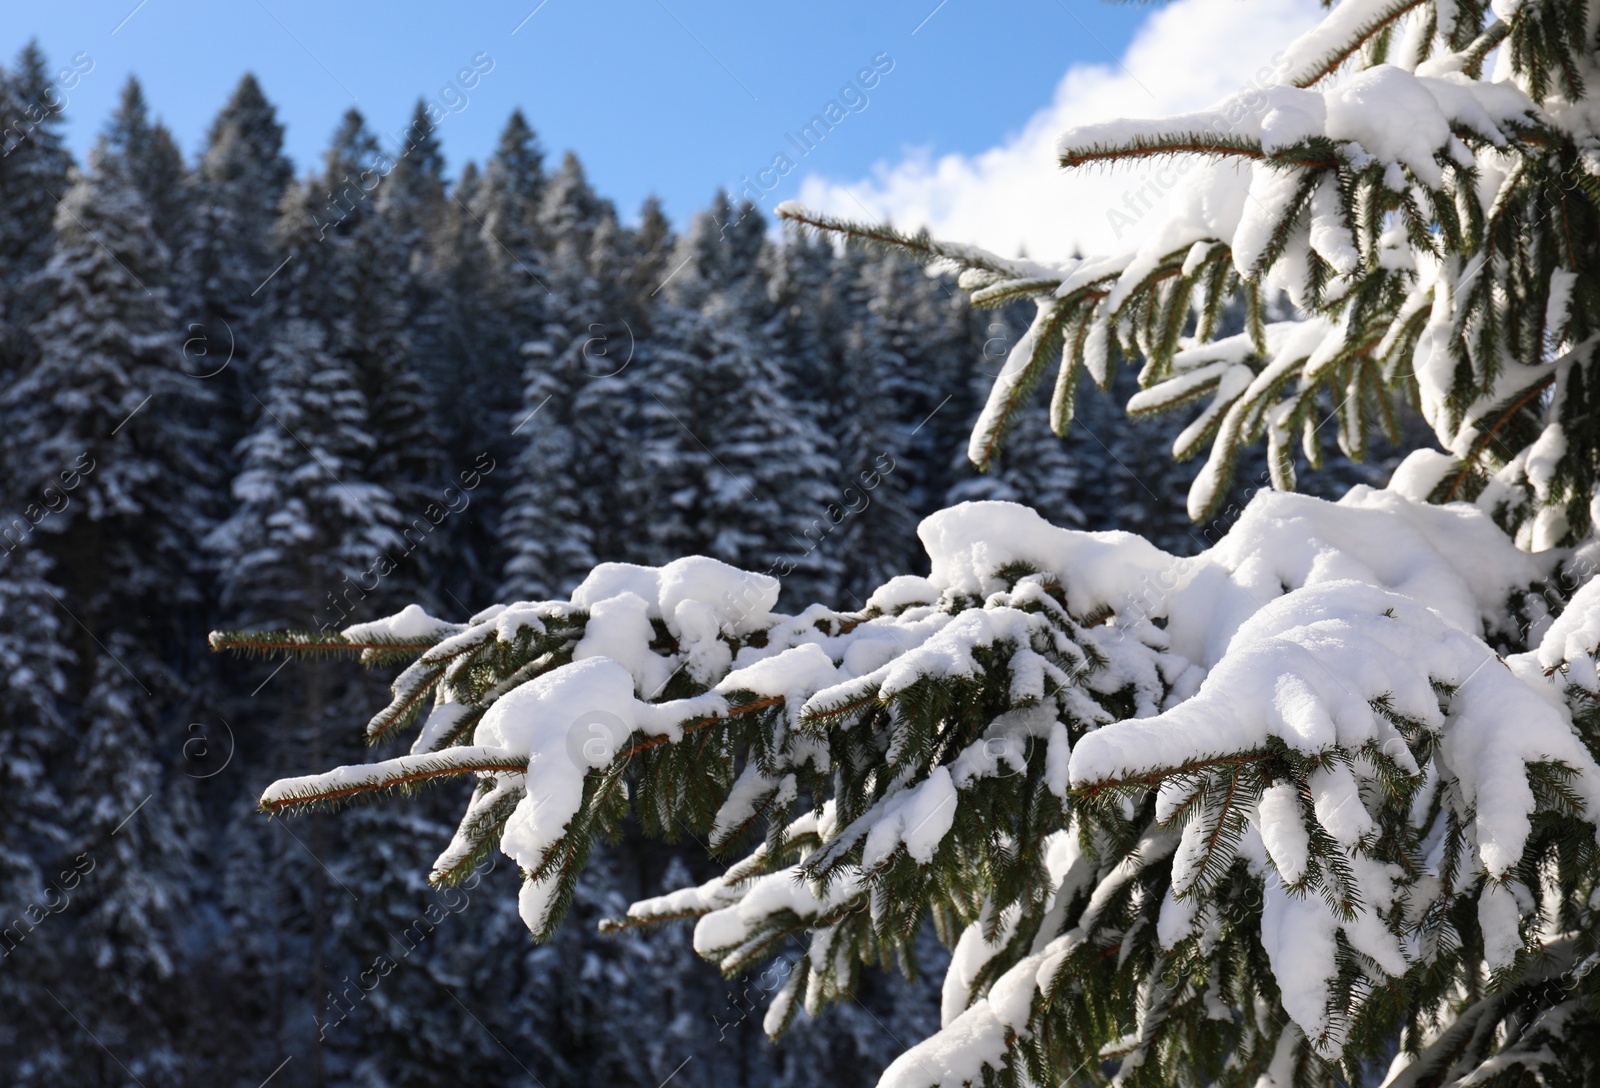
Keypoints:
pixel 1186 56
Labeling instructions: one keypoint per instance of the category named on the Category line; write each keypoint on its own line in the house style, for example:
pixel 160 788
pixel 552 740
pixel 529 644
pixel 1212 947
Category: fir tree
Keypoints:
pixel 149 157
pixel 508 205
pixel 613 489
pixel 240 181
pixel 551 544
pixel 653 244
pixel 108 351
pixel 307 524
pixel 494 301
pixel 103 443
pixel 904 349
pixel 33 179
pixel 935 346
pixel 473 351
pixel 739 473
pixel 360 300
pixel 569 208
pixel 412 195
pixel 227 259
pixel 39 874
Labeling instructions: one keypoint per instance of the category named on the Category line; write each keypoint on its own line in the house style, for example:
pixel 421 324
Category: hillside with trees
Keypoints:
pixel 237 395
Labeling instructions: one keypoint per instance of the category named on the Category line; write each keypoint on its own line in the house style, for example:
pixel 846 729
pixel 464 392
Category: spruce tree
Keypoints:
pixel 473 366
pixel 609 393
pixel 496 299
pixel 412 199
pixel 238 185
pixel 80 421
pixel 911 330
pixel 307 523
pixel 513 190
pixel 936 347
pixel 550 546
pixel 149 157
pixel 369 319
pixel 503 251
pixel 413 194
pixel 39 873
pixel 653 243
pixel 223 276
pixel 33 179
pixel 544 524
pixel 102 442
pixel 569 208
pixel 740 473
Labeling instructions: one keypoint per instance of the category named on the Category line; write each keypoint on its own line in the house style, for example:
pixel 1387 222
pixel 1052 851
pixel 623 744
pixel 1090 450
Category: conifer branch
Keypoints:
pixel 919 244
pixel 1047 343
pixel 305 643
pixel 611 926
pixel 463 728
pixel 410 692
pixel 1365 32
pixel 391 774
pixel 1485 43
pixel 705 723
pixel 1470 461
pixel 1141 147
pixel 1011 290
pixel 1090 791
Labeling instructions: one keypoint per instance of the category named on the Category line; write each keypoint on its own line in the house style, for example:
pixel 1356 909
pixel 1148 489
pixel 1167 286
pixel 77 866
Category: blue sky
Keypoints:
pixel 676 98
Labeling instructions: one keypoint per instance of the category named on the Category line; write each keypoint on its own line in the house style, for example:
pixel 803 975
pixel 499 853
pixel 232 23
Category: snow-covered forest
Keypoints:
pixel 237 398
pixel 1174 665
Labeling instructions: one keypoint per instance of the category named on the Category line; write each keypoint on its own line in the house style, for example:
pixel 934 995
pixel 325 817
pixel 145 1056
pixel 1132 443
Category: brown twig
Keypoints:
pixel 705 723
pixel 1483 443
pixel 502 765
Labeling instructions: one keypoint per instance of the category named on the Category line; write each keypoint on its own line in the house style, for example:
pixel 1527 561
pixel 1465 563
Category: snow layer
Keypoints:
pixel 1284 832
pixel 1297 933
pixel 1384 114
pixel 785 890
pixel 1572 640
pixel 969 543
pixel 917 818
pixel 972 951
pixel 539 718
pixel 410 624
